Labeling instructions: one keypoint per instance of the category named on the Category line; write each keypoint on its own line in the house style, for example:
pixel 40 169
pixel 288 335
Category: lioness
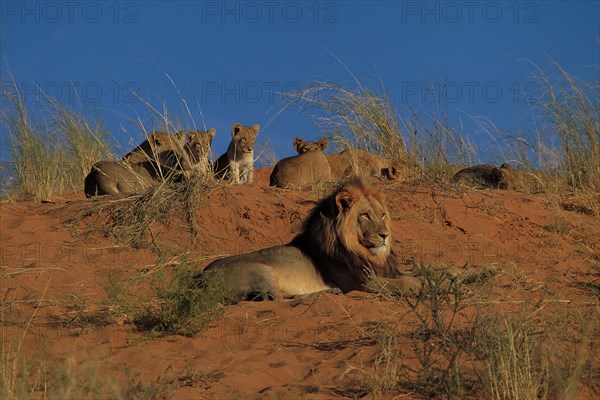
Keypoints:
pixel 308 168
pixel 486 177
pixel 237 164
pixel 303 146
pixel 362 163
pixel 347 232
pixel 161 155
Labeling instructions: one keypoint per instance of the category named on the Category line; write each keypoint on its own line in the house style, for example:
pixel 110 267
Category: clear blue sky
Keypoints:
pixel 230 59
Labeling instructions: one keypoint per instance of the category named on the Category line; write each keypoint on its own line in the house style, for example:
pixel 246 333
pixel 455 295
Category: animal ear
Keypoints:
pixel 297 143
pixel 344 201
pixel 236 128
pixel 211 133
pixel 393 170
pixel 191 135
pixel 154 139
pixel 322 143
pixel 255 128
pixel 180 135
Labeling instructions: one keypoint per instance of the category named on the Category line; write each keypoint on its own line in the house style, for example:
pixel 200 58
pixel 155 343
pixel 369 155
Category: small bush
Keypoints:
pixel 184 304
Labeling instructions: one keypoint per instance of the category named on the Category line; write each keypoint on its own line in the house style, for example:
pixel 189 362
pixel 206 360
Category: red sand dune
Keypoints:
pixel 311 348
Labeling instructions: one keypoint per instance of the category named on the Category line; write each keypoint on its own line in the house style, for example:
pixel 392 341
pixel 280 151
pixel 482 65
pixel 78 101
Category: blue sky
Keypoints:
pixel 231 59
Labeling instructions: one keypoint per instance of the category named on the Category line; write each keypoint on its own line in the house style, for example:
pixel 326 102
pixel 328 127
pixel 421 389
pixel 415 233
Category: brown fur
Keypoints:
pixel 161 155
pixel 344 234
pixel 196 151
pixel 487 177
pixel 303 146
pixel 237 164
pixel 356 162
pixel 308 168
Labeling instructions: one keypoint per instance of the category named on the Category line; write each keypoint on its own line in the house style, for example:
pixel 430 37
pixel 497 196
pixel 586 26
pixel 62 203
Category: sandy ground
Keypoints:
pixel 319 347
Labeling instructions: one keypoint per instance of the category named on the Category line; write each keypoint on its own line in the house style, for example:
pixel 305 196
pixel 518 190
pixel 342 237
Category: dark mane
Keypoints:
pixel 319 241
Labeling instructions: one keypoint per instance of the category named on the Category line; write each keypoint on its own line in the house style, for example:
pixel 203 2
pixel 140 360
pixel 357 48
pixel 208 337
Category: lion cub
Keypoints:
pixel 237 164
pixel 309 167
pixel 161 155
pixel 196 150
pixel 486 177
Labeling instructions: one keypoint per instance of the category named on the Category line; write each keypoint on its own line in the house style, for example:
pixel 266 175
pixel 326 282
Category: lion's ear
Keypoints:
pixel 211 133
pixel 191 135
pixel 255 128
pixel 322 143
pixel 393 171
pixel 155 139
pixel 236 128
pixel 344 201
pixel 297 143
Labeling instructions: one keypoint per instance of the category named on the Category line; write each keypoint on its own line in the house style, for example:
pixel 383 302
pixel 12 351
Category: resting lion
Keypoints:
pixel 308 168
pixel 487 177
pixel 161 155
pixel 353 162
pixel 302 146
pixel 237 164
pixel 347 232
pixel 362 163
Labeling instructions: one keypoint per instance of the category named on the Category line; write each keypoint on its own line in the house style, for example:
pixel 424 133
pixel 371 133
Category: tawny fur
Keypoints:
pixel 487 177
pixel 310 167
pixel 237 164
pixel 346 233
pixel 161 155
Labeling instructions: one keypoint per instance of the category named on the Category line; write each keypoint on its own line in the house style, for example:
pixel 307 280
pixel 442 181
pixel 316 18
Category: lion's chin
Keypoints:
pixel 378 251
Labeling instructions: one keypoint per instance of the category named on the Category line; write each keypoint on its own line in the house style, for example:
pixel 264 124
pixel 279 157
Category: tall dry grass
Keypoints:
pixel 54 155
pixel 368 120
pixel 569 109
pixel 572 107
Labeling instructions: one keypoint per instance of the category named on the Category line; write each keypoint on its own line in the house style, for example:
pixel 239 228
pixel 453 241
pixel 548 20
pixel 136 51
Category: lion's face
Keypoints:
pixel 244 137
pixel 303 146
pixel 198 144
pixel 159 146
pixel 363 223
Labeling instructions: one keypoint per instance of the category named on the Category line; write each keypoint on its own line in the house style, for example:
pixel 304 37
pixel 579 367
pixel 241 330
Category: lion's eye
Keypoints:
pixel 383 215
pixel 365 216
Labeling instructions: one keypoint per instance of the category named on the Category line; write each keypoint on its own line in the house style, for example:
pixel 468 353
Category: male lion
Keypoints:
pixel 161 155
pixel 237 164
pixel 346 233
pixel 486 177
pixel 309 167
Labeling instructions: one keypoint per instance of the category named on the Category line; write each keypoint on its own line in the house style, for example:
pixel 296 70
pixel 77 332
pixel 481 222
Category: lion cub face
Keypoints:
pixel 243 138
pixel 198 144
pixel 155 147
pixel 303 146
pixel 367 222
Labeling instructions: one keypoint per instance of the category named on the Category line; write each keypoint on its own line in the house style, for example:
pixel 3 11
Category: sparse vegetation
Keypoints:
pixel 459 347
pixel 54 156
pixel 183 302
pixel 467 348
pixel 129 219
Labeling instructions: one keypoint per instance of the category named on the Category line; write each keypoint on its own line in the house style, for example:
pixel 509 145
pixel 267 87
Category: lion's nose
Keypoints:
pixel 383 235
